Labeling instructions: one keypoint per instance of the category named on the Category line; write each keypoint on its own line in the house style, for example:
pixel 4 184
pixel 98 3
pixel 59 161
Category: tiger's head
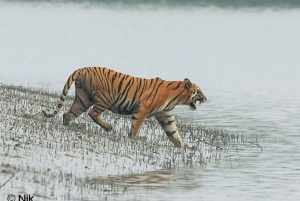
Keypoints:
pixel 194 94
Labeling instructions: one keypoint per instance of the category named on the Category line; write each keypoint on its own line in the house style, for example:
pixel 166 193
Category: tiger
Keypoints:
pixel 100 89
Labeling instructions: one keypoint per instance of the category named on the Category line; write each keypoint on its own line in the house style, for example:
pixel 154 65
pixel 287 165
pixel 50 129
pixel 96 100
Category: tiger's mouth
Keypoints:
pixel 201 100
pixel 193 105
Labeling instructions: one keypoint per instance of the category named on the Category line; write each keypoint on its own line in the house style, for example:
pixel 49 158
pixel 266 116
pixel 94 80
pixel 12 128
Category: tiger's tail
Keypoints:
pixel 64 93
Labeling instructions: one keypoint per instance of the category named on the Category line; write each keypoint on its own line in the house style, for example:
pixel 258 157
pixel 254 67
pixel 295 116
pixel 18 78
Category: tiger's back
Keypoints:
pixel 121 91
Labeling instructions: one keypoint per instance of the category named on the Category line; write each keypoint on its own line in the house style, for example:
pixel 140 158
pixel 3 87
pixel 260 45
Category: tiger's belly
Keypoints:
pixel 130 112
pixel 121 110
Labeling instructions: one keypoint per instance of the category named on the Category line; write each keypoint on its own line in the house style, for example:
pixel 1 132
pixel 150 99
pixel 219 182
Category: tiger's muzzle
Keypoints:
pixel 201 98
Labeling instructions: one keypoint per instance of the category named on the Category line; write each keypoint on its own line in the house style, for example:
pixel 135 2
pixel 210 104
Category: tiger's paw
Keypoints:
pixel 108 128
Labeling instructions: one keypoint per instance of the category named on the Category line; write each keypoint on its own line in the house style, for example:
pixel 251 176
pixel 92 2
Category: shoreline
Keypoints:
pixel 41 157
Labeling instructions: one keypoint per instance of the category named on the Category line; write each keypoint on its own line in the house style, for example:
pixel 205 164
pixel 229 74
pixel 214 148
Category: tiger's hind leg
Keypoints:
pixel 167 121
pixel 95 112
pixel 80 105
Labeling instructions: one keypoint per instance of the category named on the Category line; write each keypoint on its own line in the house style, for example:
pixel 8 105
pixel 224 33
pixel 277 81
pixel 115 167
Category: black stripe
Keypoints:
pixel 81 101
pixel 177 86
pixel 155 92
pixel 170 83
pixel 120 84
pixel 83 84
pixel 114 77
pixel 107 83
pixel 136 107
pixel 165 124
pixel 136 92
pixel 171 133
pixel 64 93
pixel 123 96
pixel 97 109
pixel 133 99
pixel 169 115
pixel 171 101
pixel 103 100
pixel 126 109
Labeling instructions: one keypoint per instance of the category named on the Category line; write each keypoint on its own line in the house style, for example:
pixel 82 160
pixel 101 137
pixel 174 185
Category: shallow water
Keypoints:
pixel 246 62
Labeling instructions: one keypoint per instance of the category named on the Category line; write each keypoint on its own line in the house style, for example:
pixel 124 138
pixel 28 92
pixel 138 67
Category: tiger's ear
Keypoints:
pixel 188 83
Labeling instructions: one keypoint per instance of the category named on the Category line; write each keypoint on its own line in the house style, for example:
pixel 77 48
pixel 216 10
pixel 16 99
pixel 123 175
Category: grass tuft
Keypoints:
pixel 86 161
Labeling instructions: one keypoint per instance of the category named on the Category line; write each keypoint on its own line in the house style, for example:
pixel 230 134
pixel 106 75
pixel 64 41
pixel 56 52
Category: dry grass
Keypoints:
pixel 52 161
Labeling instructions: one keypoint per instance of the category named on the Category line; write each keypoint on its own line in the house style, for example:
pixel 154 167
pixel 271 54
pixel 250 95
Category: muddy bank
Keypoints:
pixel 41 157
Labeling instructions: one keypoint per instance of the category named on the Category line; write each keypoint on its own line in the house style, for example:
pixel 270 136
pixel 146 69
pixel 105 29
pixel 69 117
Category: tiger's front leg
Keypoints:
pixel 167 121
pixel 138 117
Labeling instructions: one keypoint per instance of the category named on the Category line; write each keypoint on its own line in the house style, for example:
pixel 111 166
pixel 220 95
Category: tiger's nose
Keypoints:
pixel 202 100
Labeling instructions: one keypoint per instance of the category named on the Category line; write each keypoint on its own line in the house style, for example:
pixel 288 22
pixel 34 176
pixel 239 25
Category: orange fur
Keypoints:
pixel 105 89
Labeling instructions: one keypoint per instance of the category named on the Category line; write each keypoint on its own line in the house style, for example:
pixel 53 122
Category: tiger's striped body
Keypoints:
pixel 105 89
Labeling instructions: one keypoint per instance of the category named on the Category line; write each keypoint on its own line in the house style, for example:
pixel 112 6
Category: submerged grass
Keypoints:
pixel 41 157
